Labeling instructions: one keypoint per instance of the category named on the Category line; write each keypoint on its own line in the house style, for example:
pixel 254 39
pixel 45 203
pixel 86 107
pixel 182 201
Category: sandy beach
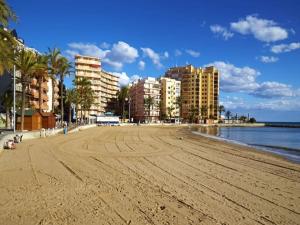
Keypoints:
pixel 145 175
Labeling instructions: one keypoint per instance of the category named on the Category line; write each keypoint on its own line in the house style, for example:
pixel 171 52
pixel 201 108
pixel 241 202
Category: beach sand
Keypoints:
pixel 145 175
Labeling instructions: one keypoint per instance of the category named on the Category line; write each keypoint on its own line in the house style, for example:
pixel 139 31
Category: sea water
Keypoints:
pixel 284 141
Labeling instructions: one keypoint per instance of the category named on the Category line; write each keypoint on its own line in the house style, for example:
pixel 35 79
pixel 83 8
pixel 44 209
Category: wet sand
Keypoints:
pixel 145 175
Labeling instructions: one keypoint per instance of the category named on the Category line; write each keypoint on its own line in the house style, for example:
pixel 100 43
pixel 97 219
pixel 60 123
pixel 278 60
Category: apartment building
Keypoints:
pixel 145 100
pixel 199 91
pixel 170 92
pixel 104 84
pixel 109 88
pixel 32 90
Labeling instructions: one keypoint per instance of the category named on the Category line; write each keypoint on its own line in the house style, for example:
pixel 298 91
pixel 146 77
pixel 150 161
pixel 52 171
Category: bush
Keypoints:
pixel 252 120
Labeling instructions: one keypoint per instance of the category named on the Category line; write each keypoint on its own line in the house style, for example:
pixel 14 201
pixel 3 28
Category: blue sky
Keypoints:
pixel 255 44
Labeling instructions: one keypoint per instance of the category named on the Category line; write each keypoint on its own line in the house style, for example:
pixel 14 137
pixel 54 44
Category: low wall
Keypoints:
pixel 39 134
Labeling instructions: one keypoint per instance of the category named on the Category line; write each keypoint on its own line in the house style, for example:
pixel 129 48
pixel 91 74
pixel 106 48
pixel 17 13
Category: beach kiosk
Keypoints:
pixel 48 120
pixel 32 120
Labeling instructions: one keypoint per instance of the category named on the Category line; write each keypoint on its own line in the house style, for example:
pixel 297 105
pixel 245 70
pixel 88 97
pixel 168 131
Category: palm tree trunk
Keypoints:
pixel 23 105
pixel 62 98
pixel 53 86
pixel 40 93
pixel 70 114
pixel 7 118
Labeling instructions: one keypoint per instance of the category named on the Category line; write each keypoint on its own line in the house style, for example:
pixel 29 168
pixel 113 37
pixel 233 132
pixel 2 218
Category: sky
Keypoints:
pixel 254 44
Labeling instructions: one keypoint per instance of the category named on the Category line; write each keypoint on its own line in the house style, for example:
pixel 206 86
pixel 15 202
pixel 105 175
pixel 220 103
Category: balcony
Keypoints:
pixel 34 93
pixel 33 82
pixel 56 89
pixel 34 104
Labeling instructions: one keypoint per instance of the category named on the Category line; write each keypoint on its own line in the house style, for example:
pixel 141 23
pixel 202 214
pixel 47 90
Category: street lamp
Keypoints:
pixel 14 106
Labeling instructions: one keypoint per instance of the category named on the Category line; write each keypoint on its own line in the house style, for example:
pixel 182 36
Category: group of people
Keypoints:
pixel 11 143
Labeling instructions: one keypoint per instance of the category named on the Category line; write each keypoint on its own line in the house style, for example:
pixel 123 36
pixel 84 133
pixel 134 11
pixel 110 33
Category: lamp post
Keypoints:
pixel 14 106
pixel 129 104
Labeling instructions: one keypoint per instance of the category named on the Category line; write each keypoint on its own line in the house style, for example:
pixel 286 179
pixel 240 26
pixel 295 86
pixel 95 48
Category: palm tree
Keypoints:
pixel 7 101
pixel 170 110
pixel 203 111
pixel 179 104
pixel 71 98
pixel 25 62
pixel 149 102
pixel 221 109
pixel 122 98
pixel 193 114
pixel 6 13
pixel 7 42
pixel 228 115
pixel 88 100
pixel 82 88
pixel 63 71
pixel 41 73
pixel 54 64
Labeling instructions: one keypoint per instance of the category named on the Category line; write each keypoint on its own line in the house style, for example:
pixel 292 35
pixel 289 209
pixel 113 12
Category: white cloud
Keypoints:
pixel 232 78
pixel 219 30
pixel 281 104
pixel 261 29
pixel 268 59
pixel 105 45
pixel 155 58
pixel 142 65
pixel 116 57
pixel 177 52
pixel 125 79
pixel 88 49
pixel 166 55
pixel 285 47
pixel 192 53
pixel 236 79
pixel 272 89
pixel 123 52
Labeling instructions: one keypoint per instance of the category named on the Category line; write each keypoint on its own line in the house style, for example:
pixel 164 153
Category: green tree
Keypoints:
pixel 149 103
pixel 170 111
pixel 40 71
pixel 7 42
pixel 64 69
pixel 83 86
pixel 25 62
pixel 54 65
pixel 221 109
pixel 7 101
pixel 203 112
pixel 228 115
pixel 6 13
pixel 178 103
pixel 71 98
pixel 193 114
pixel 122 96
pixel 252 120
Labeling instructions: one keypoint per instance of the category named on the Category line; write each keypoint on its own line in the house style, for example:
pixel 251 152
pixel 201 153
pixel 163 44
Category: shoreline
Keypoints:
pixel 278 151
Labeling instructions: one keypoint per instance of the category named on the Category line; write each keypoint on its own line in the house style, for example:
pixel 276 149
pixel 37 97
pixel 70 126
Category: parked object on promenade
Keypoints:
pixel 18 138
pixel 9 144
pixel 108 120
pixel 48 120
pixel 32 120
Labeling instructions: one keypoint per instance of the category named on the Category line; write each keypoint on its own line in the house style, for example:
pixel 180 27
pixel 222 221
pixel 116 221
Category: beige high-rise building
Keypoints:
pixel 140 92
pixel 104 85
pixel 199 91
pixel 170 92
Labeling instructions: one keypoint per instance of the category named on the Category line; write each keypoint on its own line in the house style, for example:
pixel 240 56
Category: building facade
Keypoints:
pixel 170 93
pixel 104 85
pixel 199 92
pixel 32 97
pixel 145 100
